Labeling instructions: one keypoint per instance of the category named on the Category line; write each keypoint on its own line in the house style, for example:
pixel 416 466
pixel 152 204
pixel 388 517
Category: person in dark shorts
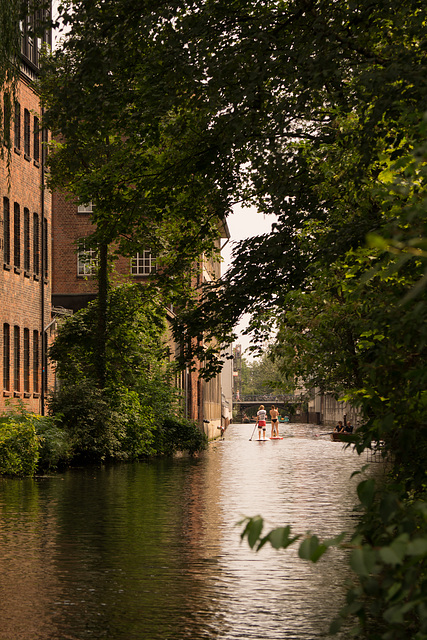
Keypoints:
pixel 274 415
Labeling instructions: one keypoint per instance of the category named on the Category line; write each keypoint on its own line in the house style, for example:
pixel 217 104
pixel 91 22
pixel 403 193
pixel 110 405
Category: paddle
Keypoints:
pixel 253 432
pixel 329 433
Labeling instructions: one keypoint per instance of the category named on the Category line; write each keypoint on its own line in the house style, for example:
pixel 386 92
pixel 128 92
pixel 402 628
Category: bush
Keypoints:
pixel 137 423
pixel 87 417
pixel 54 444
pixel 54 447
pixel 179 435
pixel 19 447
pixel 109 425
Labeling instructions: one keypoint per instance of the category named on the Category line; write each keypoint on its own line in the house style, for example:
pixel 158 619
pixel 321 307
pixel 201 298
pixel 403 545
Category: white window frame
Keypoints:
pixel 87 259
pixel 143 263
pixel 85 208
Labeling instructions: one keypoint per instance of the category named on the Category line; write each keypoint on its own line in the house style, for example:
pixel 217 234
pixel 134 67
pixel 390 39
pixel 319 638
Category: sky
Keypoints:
pixel 244 223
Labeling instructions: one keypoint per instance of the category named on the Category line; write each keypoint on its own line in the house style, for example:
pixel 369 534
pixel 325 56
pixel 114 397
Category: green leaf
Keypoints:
pixel 365 491
pixel 390 555
pixel 362 560
pixel 280 538
pixel 311 549
pixel 396 614
pixel 336 625
pixel 417 547
pixel 253 530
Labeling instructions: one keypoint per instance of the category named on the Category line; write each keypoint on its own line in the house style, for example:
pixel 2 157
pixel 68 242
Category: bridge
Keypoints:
pixel 267 399
pixel 246 406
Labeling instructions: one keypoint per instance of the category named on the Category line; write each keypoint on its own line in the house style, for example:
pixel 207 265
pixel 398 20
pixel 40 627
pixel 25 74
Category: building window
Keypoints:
pixel 85 208
pixel 36 361
pixel 27 133
pixel 36 139
pixel 30 41
pixel 27 261
pixel 16 236
pixel 45 250
pixel 7 118
pixel 36 245
pixel 17 126
pixel 26 360
pixel 16 359
pixel 143 263
pixel 87 259
pixel 6 231
pixel 44 148
pixel 6 357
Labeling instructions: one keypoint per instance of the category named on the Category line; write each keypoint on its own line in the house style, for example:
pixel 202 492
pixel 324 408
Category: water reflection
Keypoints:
pixel 151 551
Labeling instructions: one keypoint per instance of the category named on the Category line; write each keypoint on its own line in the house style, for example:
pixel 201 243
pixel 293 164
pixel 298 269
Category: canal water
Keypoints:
pixel 152 551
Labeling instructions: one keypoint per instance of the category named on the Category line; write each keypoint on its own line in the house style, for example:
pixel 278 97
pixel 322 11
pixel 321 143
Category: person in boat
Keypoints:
pixel 274 415
pixel 261 422
pixel 348 428
pixel 339 428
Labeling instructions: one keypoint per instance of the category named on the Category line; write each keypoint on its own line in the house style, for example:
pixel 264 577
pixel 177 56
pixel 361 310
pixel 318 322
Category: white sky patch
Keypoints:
pixel 244 223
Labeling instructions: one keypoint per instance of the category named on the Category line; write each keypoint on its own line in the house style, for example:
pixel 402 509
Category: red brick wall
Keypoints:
pixel 69 226
pixel 20 290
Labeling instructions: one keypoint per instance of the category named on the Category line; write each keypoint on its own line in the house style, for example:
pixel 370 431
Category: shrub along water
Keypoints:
pixel 31 443
pixel 136 412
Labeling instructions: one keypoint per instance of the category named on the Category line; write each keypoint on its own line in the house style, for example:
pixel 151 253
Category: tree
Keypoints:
pixel 115 146
pixel 126 419
pixel 333 96
pixel 260 377
pixel 320 105
pixel 9 52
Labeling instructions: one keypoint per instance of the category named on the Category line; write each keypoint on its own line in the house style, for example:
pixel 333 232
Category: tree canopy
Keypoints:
pixel 313 100
pixel 120 143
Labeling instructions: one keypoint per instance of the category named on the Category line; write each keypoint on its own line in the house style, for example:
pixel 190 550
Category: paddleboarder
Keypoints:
pixel 274 415
pixel 261 421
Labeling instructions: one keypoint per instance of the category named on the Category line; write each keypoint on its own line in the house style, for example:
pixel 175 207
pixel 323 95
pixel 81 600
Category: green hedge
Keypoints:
pixel 19 448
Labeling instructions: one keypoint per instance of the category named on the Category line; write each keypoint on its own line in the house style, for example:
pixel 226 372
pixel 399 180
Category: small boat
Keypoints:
pixel 336 436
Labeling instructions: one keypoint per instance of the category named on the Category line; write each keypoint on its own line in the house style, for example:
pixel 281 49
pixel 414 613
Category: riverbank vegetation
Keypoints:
pixel 137 412
pixel 314 111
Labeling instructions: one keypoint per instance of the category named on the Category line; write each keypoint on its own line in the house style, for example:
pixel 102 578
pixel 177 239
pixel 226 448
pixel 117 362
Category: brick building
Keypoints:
pixel 25 280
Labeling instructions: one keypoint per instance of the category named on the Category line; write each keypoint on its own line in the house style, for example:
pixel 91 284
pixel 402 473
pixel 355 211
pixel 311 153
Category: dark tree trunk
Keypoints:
pixel 101 364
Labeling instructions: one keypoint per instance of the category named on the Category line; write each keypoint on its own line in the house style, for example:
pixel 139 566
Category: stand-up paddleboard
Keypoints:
pixel 262 440
pixel 277 438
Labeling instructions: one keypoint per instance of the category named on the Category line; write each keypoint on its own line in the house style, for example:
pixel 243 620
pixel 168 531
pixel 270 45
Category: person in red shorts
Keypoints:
pixel 261 417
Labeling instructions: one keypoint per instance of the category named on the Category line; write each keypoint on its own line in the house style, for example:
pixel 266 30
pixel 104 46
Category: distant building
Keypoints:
pixel 227 388
pixel 324 408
